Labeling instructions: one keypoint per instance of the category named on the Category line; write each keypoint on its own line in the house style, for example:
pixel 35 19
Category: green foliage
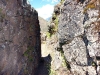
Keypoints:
pixel 54 17
pixel 62 1
pixel 50 30
pixel 50 70
pixel 94 64
pixel 48 34
pixel 55 20
pixel 65 62
pixel 56 24
pixel 53 29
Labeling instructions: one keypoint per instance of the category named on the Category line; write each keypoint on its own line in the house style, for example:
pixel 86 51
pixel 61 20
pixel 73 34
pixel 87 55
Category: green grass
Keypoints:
pixel 48 34
pixel 65 63
pixel 56 24
pixel 50 70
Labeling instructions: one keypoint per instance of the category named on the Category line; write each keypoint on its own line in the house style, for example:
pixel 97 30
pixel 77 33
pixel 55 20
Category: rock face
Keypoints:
pixel 20 45
pixel 79 35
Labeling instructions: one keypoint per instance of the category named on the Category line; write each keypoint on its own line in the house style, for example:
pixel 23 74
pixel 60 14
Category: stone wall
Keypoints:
pixel 20 45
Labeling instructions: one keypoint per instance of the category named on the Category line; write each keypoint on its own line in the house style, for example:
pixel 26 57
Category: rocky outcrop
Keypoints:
pixel 19 38
pixel 79 36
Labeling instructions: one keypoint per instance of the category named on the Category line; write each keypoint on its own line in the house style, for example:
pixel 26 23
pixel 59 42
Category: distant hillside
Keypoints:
pixel 43 24
pixel 48 19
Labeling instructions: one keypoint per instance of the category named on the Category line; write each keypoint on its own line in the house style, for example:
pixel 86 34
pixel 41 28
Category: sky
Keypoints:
pixel 44 7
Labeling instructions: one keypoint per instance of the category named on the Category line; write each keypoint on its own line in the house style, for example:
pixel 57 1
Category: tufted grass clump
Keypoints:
pixel 65 63
pixel 50 70
pixel 50 31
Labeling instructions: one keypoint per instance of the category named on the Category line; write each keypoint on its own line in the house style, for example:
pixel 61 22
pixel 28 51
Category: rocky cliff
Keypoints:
pixel 19 38
pixel 79 35
pixel 75 39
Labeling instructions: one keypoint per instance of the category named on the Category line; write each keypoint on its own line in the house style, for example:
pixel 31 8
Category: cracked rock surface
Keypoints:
pixel 79 34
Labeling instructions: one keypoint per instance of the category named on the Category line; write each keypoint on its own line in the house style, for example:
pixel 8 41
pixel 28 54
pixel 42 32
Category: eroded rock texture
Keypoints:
pixel 19 38
pixel 79 35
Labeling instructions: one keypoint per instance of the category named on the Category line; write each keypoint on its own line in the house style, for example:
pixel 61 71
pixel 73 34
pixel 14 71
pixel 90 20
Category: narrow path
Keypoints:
pixel 45 64
pixel 44 67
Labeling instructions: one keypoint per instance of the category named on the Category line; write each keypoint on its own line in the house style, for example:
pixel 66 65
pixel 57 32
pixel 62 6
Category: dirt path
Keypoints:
pixel 45 50
pixel 45 64
pixel 44 67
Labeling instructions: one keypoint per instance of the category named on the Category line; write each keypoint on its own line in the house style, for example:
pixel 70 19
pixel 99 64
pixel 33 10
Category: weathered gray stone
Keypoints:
pixel 75 52
pixel 57 60
pixel 70 23
pixel 79 35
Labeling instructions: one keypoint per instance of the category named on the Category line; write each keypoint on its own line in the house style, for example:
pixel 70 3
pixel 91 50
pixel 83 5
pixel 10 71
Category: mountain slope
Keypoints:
pixel 43 24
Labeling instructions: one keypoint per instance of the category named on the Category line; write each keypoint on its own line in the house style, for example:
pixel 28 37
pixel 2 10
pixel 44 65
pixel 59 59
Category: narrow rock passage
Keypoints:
pixel 45 63
pixel 44 67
